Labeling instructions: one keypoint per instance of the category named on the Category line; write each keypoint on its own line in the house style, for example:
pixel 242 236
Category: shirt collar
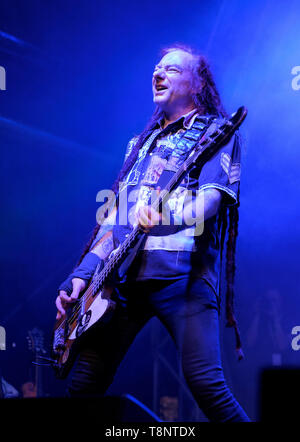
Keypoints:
pixel 188 119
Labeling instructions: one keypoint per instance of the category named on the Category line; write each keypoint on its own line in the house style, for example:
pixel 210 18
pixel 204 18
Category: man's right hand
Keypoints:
pixel 64 301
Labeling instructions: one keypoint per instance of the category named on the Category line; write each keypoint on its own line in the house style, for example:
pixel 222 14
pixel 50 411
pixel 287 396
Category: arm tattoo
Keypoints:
pixel 104 246
pixel 107 246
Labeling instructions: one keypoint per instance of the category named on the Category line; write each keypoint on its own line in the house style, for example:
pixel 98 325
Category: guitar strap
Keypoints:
pixel 187 143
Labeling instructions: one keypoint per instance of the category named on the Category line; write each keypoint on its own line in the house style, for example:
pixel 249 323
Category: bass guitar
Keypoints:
pixel 95 304
pixel 35 340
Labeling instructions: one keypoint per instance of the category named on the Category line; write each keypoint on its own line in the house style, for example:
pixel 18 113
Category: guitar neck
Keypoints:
pixel 207 147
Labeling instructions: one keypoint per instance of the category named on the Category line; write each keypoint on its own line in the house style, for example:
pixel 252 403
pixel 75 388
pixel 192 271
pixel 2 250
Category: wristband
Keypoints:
pixel 67 285
pixel 84 271
pixel 87 267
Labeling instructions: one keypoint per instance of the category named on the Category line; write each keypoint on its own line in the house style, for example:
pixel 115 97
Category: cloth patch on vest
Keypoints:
pixel 232 170
pixel 154 171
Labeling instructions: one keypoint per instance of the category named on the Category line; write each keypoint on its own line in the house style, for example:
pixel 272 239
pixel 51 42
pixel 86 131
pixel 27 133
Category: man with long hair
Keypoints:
pixel 176 273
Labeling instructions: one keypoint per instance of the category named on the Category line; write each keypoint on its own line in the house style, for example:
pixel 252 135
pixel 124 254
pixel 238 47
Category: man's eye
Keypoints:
pixel 167 69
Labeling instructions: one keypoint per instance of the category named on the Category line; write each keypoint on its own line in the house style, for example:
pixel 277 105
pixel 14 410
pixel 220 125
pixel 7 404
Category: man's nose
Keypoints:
pixel 159 74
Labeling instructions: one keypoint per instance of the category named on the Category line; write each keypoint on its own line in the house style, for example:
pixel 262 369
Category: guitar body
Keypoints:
pixel 67 334
pixel 35 340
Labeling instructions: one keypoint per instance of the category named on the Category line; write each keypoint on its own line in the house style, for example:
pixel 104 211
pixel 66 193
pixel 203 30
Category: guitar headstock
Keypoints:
pixel 238 117
pixel 220 131
pixel 35 340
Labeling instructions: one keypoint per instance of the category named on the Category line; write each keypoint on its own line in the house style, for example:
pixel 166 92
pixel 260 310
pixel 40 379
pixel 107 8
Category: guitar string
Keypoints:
pixel 95 287
pixel 111 263
pixel 91 290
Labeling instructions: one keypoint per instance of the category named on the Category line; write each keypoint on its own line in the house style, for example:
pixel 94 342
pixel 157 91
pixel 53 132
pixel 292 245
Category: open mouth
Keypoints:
pixel 160 88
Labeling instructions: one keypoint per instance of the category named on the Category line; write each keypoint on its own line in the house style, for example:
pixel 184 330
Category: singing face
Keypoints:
pixel 171 81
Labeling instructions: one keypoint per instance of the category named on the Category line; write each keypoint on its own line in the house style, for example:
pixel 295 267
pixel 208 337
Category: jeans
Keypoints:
pixel 189 310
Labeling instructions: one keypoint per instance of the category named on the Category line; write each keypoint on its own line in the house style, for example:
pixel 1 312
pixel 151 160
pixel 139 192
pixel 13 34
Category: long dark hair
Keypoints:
pixel 208 102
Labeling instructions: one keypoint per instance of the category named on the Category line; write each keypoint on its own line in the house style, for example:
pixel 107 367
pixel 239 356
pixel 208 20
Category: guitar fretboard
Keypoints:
pixel 206 147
